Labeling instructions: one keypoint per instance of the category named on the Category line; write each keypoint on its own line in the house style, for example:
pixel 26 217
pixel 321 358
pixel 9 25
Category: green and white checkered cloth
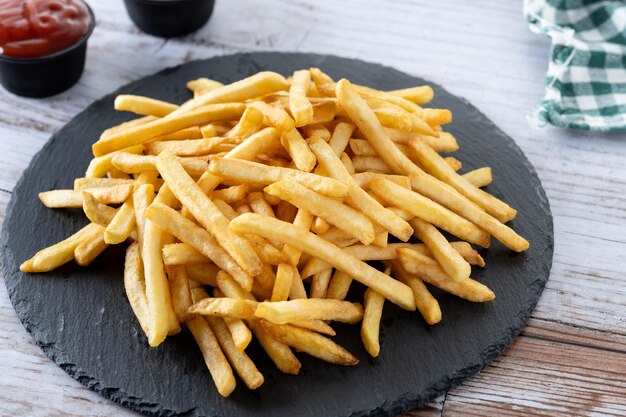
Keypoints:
pixel 586 80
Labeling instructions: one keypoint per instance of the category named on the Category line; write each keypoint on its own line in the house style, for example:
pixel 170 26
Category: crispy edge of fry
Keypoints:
pixel 135 286
pixel 370 327
pixel 479 177
pixel 143 105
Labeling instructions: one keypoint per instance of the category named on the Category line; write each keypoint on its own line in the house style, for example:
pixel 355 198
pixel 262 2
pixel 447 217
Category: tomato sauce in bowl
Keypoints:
pixel 35 28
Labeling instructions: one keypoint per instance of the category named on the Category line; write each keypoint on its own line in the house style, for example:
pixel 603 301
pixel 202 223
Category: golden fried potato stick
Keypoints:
pixel 136 164
pixel 60 253
pixel 370 164
pixel 250 123
pixel 205 274
pixel 436 117
pixel 125 126
pixel 283 282
pixel 97 213
pixel 241 334
pixel 86 183
pixel 443 143
pixel 418 95
pixel 450 260
pixel 100 165
pixel 257 85
pixel 74 198
pixel 143 105
pixel 434 164
pixel 188 232
pixel 246 369
pixel 297 148
pixel 429 211
pixel 189 147
pixel 252 172
pixel 203 85
pixel 339 286
pixel 135 286
pixel 180 290
pixel 362 179
pixel 319 283
pixel 90 248
pixel 341 137
pixel 426 303
pixel 207 214
pixel 237 308
pixel 173 122
pixel 216 362
pixel 423 267
pixel 122 225
pixel 480 177
pixel 284 312
pixel 300 106
pixel 394 291
pixel 335 213
pixel 182 254
pixel 303 220
pixel 373 311
pixel 312 343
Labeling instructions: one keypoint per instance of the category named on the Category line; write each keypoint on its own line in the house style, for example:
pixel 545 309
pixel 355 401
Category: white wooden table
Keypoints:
pixel 571 357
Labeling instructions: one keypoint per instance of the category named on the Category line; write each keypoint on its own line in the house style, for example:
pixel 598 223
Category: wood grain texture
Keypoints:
pixel 570 358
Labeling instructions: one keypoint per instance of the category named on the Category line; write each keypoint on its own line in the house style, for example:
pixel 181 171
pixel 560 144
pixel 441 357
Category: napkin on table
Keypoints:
pixel 586 80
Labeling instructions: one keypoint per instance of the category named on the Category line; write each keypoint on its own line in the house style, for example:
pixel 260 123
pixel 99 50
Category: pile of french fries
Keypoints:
pixel 233 200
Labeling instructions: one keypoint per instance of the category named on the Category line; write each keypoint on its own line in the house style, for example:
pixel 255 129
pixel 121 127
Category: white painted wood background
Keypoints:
pixel 570 358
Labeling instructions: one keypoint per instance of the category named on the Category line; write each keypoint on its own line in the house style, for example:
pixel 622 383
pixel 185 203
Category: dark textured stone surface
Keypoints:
pixel 82 321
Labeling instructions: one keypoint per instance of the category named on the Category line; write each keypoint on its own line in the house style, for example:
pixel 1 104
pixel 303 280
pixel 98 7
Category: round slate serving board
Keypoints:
pixel 83 322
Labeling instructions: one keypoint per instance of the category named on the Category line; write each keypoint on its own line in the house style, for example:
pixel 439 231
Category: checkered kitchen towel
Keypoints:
pixel 586 80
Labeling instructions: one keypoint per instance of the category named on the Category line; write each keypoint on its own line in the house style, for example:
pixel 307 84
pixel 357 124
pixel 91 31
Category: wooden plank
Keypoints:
pixel 542 377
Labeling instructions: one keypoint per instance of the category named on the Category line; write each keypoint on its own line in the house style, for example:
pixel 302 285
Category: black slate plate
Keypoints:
pixel 82 321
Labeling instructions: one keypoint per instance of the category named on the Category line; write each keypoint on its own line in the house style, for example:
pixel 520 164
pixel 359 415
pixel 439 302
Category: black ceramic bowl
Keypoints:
pixel 46 75
pixel 169 18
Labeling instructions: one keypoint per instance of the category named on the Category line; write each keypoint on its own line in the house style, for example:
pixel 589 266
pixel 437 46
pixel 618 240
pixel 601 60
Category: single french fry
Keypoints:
pixel 299 104
pixel 252 172
pixel 397 119
pixel 370 164
pixel 341 137
pixel 480 177
pixel 256 85
pixel 282 284
pixel 188 232
pixel 203 85
pixel 142 198
pixel 60 253
pixel 250 123
pixel 203 273
pixel 311 343
pixel 125 126
pixel 453 163
pixel 135 164
pixel 303 220
pixel 339 286
pixel 324 111
pixel 297 290
pixel 135 286
pixel 88 182
pixel 182 254
pixel 297 147
pixel 90 248
pixel 231 194
pixel 427 305
pixel 192 132
pixel 319 283
pixel 325 85
pixel 283 312
pixel 100 165
pixel 244 366
pixel 74 198
pixel 225 307
pixel 190 147
pixel 422 266
pixel 373 310
pixel 418 95
pixel 429 211
pixel 216 362
pixel 393 290
pixel 449 259
pixel 143 105
pixel 209 131
pixel 442 143
pixel 436 117
pixel 434 164
pixel 181 293
pixel 157 287
pixel 207 214
pixel 241 334
pixel 320 226
pixel 169 124
pixel 317 326
pixel 97 213
pixel 337 214
pixel 122 224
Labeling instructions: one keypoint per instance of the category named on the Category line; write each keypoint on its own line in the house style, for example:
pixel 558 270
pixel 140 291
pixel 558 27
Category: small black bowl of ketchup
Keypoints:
pixel 169 18
pixel 43 44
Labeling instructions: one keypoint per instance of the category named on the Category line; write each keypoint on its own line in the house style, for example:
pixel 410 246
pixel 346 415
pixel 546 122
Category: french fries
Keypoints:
pixel 252 188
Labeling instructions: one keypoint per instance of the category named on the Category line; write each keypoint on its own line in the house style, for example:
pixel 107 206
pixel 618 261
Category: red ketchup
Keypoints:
pixel 33 28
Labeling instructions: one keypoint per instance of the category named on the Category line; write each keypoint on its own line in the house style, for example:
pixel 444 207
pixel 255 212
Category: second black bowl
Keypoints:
pixel 169 18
